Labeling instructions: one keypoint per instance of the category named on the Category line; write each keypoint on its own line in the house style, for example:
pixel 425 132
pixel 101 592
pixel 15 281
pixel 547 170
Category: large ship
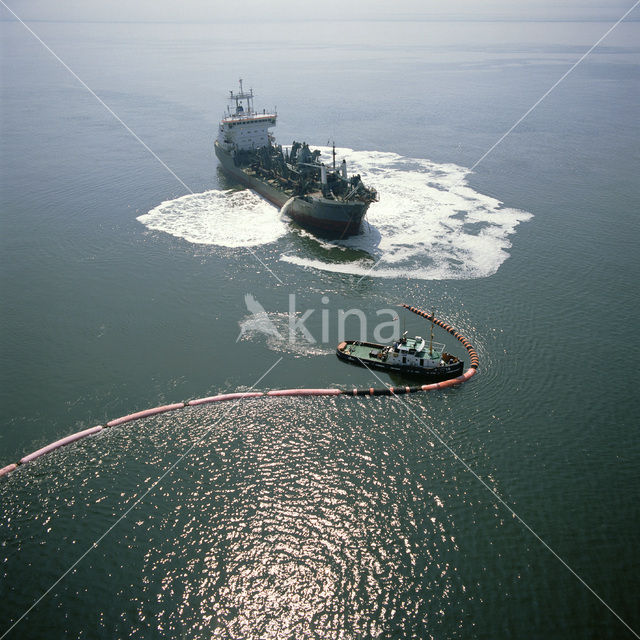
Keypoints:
pixel 316 196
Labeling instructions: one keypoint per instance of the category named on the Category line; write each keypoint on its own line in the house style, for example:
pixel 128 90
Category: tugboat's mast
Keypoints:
pixel 431 339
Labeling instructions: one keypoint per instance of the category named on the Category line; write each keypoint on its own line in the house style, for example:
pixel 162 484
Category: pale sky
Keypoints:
pixel 277 10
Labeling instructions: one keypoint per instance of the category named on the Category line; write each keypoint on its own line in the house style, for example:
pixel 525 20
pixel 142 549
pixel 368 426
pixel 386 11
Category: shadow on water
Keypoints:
pixel 334 249
pixel 225 182
pixel 399 379
pixel 320 244
pixel 414 379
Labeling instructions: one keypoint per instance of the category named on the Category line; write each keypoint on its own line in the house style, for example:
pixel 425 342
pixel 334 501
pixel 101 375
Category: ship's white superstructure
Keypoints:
pixel 242 129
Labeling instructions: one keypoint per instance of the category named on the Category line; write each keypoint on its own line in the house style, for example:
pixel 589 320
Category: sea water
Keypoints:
pixel 123 289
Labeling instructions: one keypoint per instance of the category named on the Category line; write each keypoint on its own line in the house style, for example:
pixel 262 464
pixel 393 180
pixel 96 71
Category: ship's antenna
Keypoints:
pixel 334 155
pixel 431 339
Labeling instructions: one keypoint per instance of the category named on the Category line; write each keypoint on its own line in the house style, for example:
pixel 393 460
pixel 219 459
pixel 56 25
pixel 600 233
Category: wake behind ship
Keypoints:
pixel 318 197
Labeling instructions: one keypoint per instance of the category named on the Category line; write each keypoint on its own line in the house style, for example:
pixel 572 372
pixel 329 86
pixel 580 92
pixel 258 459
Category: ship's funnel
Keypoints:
pixel 344 169
pixel 323 174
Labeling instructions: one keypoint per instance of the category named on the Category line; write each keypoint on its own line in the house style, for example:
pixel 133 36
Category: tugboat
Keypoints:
pixel 407 355
pixel 318 197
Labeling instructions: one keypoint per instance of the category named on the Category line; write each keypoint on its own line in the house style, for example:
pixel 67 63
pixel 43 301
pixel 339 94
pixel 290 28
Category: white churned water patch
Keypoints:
pixel 429 223
pixel 223 218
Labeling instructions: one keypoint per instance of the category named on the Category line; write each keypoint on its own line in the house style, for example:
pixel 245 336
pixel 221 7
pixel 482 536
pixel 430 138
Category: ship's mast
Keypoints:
pixel 239 97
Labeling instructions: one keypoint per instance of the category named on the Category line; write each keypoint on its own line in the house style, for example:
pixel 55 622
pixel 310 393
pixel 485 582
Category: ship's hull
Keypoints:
pixel 331 217
pixel 433 374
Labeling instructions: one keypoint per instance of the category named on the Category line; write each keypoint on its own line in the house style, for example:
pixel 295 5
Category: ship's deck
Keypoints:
pixel 362 351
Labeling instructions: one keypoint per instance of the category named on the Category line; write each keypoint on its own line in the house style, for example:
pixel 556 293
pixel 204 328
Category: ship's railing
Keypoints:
pixel 248 116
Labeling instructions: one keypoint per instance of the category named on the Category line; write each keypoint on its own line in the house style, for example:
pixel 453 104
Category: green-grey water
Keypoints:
pixel 325 517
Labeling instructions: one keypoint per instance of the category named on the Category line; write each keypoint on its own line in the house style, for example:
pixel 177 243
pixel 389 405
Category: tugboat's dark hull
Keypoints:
pixel 432 374
pixel 330 217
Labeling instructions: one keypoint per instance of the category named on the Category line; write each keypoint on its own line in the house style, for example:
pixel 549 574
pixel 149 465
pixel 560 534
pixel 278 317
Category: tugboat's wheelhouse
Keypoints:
pixel 412 352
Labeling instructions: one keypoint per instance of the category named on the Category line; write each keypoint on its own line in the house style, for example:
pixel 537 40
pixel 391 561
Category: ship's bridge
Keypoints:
pixel 242 128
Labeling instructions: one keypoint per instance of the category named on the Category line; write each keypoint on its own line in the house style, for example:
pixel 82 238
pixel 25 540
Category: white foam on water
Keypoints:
pixel 223 218
pixel 429 223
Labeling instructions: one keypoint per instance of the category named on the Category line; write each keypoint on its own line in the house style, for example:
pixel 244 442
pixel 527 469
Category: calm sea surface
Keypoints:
pixel 328 517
